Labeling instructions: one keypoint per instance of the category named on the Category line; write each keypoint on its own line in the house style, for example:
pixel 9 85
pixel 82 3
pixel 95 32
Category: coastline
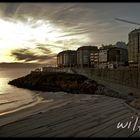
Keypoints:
pixel 44 102
pixel 37 100
pixel 67 115
pixel 49 101
pixel 14 114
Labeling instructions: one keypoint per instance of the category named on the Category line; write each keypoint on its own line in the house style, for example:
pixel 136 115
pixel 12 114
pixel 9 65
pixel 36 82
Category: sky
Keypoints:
pixel 36 32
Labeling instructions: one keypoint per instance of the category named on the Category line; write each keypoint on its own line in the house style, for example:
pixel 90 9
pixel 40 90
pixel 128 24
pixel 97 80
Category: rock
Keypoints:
pixel 66 82
pixel 135 103
pixel 88 86
pixel 56 81
pixel 131 94
pixel 100 89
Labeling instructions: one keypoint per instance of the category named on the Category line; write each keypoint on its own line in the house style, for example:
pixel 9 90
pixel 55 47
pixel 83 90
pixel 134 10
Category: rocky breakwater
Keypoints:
pixel 55 82
pixel 66 82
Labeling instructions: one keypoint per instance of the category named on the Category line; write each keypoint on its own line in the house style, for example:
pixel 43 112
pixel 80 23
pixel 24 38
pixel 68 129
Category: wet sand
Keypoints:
pixel 45 102
pixel 69 115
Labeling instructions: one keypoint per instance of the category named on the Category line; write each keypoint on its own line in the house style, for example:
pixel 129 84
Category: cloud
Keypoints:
pixel 56 44
pixel 73 18
pixel 43 49
pixel 11 9
pixel 27 55
pixel 60 26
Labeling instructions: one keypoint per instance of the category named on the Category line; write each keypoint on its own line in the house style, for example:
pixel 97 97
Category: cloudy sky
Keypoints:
pixel 36 32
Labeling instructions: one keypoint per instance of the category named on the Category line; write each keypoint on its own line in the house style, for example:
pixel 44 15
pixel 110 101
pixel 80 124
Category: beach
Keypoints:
pixel 62 114
pixel 33 108
pixel 69 115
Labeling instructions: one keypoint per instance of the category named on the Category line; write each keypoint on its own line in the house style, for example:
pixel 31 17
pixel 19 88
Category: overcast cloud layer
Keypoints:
pixel 41 30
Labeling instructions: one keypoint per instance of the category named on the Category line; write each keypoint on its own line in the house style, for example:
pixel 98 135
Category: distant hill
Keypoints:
pixel 20 65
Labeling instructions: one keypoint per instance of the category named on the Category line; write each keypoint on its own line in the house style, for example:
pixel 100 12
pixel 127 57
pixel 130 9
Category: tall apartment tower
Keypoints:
pixel 134 47
pixel 83 55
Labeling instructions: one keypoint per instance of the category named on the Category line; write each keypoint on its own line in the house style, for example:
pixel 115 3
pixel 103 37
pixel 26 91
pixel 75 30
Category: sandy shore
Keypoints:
pixel 69 115
pixel 46 101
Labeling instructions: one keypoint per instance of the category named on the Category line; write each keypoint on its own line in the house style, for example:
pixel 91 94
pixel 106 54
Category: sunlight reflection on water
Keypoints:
pixel 12 97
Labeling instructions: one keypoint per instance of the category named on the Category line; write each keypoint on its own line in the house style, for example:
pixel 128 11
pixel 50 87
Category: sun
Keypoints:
pixel 19 34
pixel 31 33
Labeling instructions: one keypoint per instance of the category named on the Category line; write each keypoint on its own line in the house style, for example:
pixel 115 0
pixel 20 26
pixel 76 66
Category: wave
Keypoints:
pixel 36 100
pixel 7 102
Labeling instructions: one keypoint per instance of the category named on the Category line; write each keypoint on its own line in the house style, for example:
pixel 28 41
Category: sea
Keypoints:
pixel 11 97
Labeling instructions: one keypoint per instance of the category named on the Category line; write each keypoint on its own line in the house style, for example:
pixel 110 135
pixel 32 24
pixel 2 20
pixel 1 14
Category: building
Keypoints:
pixel 60 59
pixel 117 57
pixel 83 55
pixel 103 58
pixel 49 69
pixel 67 58
pixel 94 59
pixel 134 47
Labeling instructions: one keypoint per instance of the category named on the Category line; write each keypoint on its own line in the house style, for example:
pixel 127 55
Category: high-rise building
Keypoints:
pixel 94 59
pixel 103 58
pixel 83 55
pixel 67 58
pixel 134 47
pixel 118 56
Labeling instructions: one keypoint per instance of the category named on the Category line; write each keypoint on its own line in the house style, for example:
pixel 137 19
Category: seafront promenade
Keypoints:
pixel 75 115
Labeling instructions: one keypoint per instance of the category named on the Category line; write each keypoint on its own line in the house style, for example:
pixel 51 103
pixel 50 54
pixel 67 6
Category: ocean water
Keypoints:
pixel 11 97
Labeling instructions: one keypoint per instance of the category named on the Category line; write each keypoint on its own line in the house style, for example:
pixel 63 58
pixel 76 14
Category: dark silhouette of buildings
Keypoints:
pixel 67 58
pixel 84 54
pixel 134 47
pixel 108 56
